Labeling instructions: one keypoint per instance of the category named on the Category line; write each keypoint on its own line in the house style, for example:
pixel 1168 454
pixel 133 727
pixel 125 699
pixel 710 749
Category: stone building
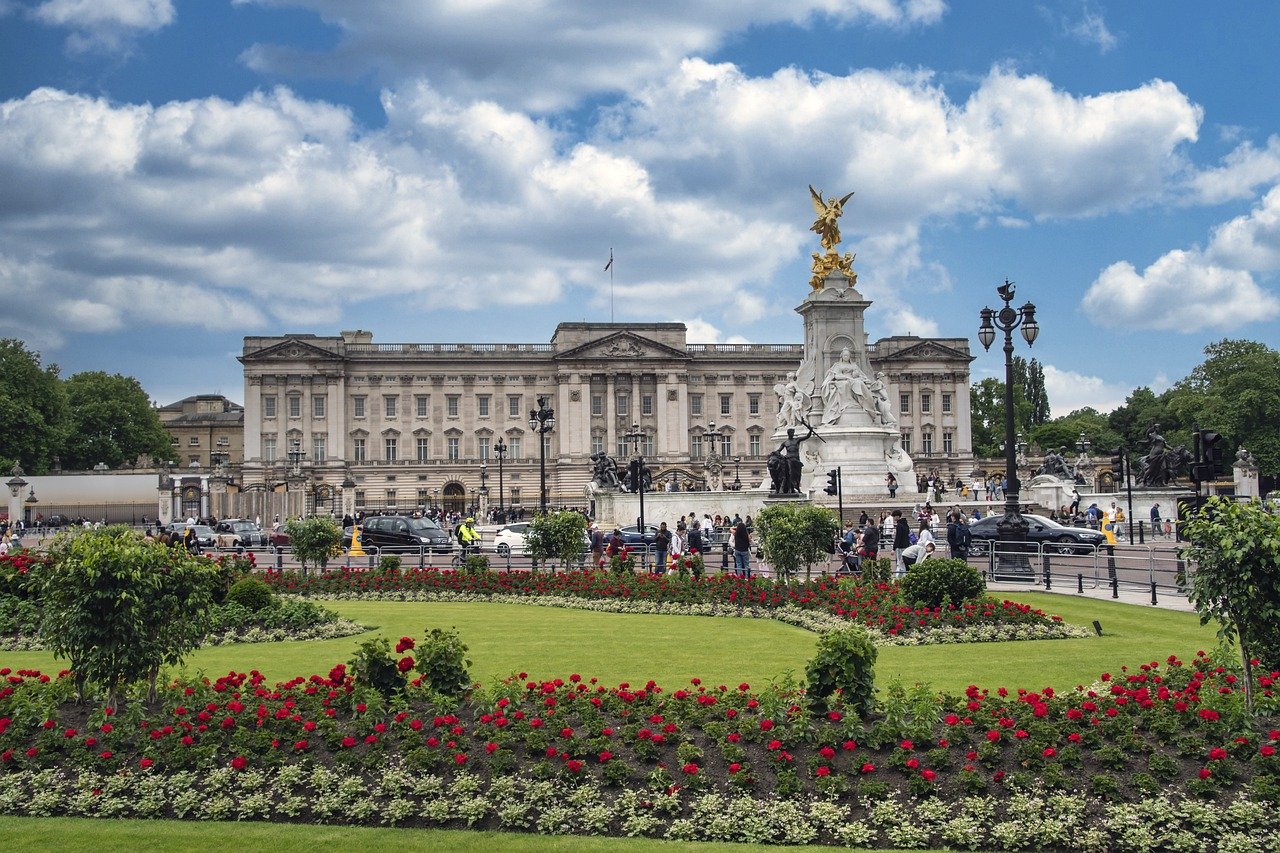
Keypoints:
pixel 207 429
pixel 341 423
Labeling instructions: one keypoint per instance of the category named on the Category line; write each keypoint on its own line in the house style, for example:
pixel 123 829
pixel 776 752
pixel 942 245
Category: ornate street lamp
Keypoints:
pixel 500 450
pixel 1012 528
pixel 636 437
pixel 737 481
pixel 541 421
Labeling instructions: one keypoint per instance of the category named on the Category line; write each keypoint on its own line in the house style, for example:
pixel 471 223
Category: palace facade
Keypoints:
pixel 343 423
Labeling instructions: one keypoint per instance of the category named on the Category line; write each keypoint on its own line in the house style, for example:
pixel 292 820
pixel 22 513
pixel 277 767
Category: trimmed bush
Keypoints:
pixel 936 581
pixel 443 663
pixel 251 594
pixel 845 660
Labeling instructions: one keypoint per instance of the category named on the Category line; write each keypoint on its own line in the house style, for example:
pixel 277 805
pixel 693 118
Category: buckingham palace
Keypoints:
pixel 343 423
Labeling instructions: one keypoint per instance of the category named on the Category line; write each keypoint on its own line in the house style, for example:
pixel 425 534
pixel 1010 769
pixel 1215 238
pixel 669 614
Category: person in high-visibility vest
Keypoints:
pixel 468 536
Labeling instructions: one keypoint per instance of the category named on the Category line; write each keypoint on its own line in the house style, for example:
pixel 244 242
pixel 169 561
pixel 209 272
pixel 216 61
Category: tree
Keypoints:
pixel 561 535
pixel 986 414
pixel 313 540
pixel 1235 391
pixel 111 421
pixel 1037 396
pixel 33 409
pixel 1065 432
pixel 795 534
pixel 1236 551
pixel 120 607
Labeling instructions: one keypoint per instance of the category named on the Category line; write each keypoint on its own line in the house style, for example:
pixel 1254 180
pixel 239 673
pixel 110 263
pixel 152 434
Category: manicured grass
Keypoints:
pixel 1131 635
pixel 174 836
pixel 543 641
pixel 549 642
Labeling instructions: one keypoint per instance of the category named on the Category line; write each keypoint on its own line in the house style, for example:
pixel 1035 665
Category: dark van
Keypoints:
pixel 404 534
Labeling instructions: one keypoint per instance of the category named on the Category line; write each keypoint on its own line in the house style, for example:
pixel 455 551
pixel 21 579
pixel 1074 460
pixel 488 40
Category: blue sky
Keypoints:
pixel 176 175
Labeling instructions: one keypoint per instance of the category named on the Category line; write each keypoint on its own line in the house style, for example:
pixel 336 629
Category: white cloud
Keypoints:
pixel 699 331
pixel 1069 391
pixel 1251 241
pixel 543 56
pixel 1092 29
pixel 902 320
pixel 1242 171
pixel 107 25
pixel 1181 291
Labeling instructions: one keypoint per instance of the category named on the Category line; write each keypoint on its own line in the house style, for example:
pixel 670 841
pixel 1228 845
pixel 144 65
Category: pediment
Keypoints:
pixel 623 345
pixel 931 351
pixel 291 350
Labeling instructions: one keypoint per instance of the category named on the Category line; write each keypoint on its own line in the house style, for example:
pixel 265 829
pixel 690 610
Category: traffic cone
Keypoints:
pixel 356 550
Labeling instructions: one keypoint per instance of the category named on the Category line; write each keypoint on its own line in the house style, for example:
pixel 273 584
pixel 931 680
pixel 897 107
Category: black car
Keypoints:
pixel 404 534
pixel 1054 536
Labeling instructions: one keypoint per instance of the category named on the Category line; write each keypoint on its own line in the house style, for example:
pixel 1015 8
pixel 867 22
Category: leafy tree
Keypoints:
pixel 561 535
pixel 844 660
pixel 1037 396
pixel 120 607
pixel 986 409
pixel 1065 432
pixel 33 409
pixel 111 421
pixel 795 534
pixel 1236 551
pixel 1235 391
pixel 313 540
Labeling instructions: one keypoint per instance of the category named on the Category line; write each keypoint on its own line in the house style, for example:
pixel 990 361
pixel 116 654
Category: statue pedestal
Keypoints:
pixel 864 454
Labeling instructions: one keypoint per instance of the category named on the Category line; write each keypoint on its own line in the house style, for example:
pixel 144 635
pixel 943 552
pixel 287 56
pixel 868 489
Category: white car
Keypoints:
pixel 510 539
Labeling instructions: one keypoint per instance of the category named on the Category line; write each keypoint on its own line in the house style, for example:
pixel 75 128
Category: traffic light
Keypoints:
pixel 833 482
pixel 1117 464
pixel 1213 466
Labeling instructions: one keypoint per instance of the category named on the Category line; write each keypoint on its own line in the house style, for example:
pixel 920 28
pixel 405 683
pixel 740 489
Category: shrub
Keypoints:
pixel 443 663
pixel 559 535
pixel 932 582
pixel 845 661
pixel 877 571
pixel 313 540
pixel 120 607
pixel 388 564
pixel 475 564
pixel 251 594
pixel 374 667
pixel 795 534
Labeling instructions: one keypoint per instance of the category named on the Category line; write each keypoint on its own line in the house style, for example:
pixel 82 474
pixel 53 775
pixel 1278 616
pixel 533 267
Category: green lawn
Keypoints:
pixel 550 642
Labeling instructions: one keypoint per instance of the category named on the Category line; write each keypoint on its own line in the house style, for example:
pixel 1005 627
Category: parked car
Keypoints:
pixel 631 534
pixel 1054 536
pixel 204 533
pixel 510 539
pixel 240 533
pixel 405 534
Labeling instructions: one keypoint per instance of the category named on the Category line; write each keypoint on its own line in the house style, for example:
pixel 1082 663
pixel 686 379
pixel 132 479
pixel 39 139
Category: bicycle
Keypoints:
pixel 460 557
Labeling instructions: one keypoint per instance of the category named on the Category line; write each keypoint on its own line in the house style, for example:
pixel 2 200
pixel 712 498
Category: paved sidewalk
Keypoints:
pixel 1165 599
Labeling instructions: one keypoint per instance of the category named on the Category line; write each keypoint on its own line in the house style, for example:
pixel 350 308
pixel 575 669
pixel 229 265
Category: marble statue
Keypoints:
pixel 895 458
pixel 845 389
pixel 884 409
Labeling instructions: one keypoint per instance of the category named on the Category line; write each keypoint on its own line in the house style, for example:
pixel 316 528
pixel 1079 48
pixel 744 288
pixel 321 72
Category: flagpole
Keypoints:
pixel 609 267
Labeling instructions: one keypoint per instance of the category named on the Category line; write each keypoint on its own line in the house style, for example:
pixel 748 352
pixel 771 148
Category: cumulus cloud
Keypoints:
pixel 700 331
pixel 1181 291
pixel 1251 241
pixel 1242 171
pixel 483 50
pixel 1069 390
pixel 107 25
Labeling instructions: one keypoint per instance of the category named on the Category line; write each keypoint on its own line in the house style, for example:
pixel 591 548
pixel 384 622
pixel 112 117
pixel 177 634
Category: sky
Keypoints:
pixel 177 175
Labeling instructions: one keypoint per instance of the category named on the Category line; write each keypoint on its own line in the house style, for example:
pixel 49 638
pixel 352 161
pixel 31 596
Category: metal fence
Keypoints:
pixel 1135 568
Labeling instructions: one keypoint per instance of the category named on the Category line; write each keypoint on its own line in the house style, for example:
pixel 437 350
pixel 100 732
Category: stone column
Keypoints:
pixel 252 418
pixel 611 415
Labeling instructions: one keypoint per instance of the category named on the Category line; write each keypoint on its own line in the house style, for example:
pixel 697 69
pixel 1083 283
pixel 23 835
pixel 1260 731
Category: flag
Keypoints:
pixel 610 264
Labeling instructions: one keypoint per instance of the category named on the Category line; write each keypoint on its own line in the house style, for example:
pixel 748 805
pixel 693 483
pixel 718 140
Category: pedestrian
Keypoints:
pixel 1075 501
pixel 597 544
pixel 901 539
pixel 615 546
pixel 661 547
pixel 916 553
pixel 741 550
pixel 1156 526
pixel 958 537
pixel 892 482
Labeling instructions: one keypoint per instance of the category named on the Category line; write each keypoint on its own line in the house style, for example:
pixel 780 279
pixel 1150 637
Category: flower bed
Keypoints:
pixel 1161 757
pixel 878 607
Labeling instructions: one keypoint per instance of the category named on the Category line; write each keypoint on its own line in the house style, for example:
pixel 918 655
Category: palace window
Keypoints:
pixel 269 449
pixel 926 443
pixel 926 402
pixel 391 497
pixel 357 406
pixel 513 405
pixel 597 444
pixel 194 441
pixel 946 442
pixel 389 405
pixel 597 405
pixel 318 406
pixel 904 403
pixel 423 447
pixel 753 444
pixel 513 447
pixel 646 404
pixel 357 449
pixel 390 446
pixel 624 405
pixel 726 404
pixel 482 444
pixel 753 404
pixel 695 404
pixel 906 440
pixel 295 406
pixel 359 498
pixel 422 402
pixel 452 449
pixel 268 407
pixel 451 405
pixel 318 448
pixel 482 405
pixel 946 404
pixel 695 447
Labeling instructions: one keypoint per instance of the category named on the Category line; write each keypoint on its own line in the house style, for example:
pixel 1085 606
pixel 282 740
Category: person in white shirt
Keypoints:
pixel 925 534
pixel 917 553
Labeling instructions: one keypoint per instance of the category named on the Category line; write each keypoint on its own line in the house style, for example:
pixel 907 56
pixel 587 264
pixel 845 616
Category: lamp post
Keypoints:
pixel 484 488
pixel 541 421
pixel 1012 528
pixel 500 450
pixel 737 481
pixel 636 437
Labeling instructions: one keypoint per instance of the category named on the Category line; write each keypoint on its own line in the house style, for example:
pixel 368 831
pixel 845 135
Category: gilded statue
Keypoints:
pixel 827 225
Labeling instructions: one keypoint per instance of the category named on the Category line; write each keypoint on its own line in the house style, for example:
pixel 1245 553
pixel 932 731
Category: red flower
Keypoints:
pixel 928 775
pixel 868 768
pixel 735 767
pixel 145 763
pixel 460 759
pixel 823 771
pixel 404 664
pixel 405 644
pixel 238 763
pixel 348 742
pixel 1208 714
pixel 1217 754
pixel 1050 752
pixel 301 745
pixel 104 755
pixel 605 756
pixel 1267 751
pixel 1205 773
pixel 573 765
pixel 690 769
pixel 490 747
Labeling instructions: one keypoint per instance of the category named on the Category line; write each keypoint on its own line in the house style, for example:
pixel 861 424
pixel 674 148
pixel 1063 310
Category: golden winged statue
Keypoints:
pixel 827 226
